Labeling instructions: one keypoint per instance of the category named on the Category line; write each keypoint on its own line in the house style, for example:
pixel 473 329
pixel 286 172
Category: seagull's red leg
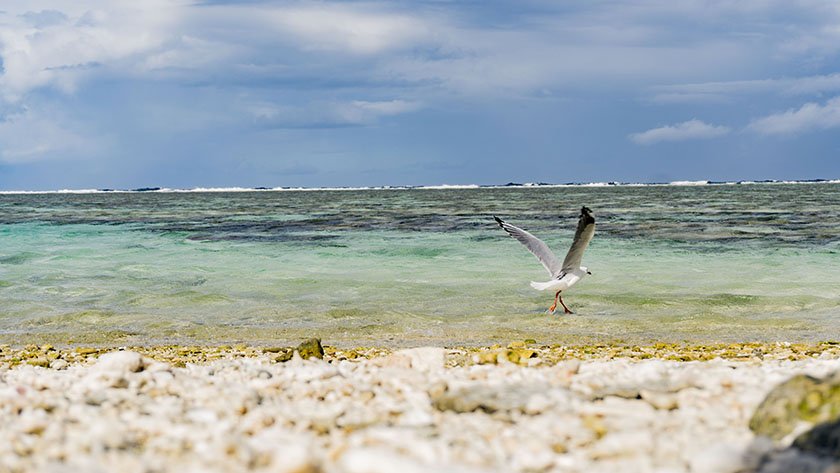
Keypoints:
pixel 554 306
pixel 564 305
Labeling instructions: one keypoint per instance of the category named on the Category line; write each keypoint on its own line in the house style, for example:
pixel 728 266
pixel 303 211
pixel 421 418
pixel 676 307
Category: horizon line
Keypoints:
pixel 678 183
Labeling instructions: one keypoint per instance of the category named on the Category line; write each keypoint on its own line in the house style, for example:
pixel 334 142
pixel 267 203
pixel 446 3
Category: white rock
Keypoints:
pixel 119 361
pixel 283 453
pixel 201 415
pixel 416 418
pixel 33 421
pixel 719 458
pixel 225 416
pixel 540 402
pixel 377 460
pixel 659 399
pixel 627 443
pixel 424 359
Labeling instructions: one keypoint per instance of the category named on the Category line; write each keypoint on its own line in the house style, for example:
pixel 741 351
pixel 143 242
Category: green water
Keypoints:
pixel 413 267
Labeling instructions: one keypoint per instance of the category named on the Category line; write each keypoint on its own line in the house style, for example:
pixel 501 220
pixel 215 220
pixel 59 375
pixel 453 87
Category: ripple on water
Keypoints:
pixel 721 263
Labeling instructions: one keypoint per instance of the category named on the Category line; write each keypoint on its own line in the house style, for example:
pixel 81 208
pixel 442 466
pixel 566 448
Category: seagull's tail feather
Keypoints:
pixel 542 286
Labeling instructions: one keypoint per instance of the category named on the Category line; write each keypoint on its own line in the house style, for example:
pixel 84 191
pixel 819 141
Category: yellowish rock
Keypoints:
pixel 487 357
pixel 39 361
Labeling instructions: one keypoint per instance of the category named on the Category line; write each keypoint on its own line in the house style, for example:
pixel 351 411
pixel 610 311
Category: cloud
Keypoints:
pixel 809 117
pixel 690 130
pixel 52 48
pixel 391 107
pixel 202 74
pixel 706 92
pixel 330 114
pixel 336 27
pixel 438 48
pixel 44 17
pixel 434 49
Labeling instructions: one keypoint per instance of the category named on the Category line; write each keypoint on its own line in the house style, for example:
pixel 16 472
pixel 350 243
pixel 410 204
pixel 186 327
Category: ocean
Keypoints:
pixel 409 267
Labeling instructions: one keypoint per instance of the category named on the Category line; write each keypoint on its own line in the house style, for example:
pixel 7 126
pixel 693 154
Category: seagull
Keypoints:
pixel 563 276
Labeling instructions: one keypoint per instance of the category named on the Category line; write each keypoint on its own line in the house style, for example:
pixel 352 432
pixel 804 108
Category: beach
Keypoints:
pixel 521 407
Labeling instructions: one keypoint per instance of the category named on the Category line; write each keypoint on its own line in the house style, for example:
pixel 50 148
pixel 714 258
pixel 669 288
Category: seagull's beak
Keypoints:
pixel 589 273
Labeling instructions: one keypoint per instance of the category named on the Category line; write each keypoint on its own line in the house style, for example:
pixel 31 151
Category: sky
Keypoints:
pixel 172 93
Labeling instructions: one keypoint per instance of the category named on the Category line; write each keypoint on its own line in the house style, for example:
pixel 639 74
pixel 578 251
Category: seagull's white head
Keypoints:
pixel 585 270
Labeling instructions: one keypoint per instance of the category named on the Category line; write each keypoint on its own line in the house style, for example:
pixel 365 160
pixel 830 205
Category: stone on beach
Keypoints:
pixel 311 349
pixel 808 408
pixel 823 439
pixel 515 353
pixel 371 460
pixel 119 361
pixel 489 398
pixel 412 410
pixel 801 399
pixel 425 359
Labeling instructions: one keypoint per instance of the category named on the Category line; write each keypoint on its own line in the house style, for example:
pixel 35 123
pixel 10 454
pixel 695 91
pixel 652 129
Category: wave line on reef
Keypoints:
pixel 514 185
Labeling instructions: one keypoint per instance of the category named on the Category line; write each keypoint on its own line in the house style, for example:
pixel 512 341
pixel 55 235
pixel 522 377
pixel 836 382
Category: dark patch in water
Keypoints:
pixel 346 313
pixel 713 216
pixel 483 237
pixel 421 252
pixel 18 258
pixel 731 299
pixel 285 237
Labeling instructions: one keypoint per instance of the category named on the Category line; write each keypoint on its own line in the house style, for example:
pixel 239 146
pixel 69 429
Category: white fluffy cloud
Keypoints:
pixel 690 130
pixel 809 117
pixel 50 43
pixel 339 27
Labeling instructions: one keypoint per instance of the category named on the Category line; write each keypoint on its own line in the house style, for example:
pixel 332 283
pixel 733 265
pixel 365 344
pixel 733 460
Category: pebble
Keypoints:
pixel 411 411
pixel 119 362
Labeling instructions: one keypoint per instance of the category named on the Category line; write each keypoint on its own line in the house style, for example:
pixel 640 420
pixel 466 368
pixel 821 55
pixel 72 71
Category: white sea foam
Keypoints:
pixel 689 183
pixel 452 186
pixel 58 191
pixel 215 189
pixel 429 187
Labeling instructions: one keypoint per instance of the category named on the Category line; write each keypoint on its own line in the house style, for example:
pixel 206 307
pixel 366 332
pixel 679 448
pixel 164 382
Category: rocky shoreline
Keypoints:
pixel 520 352
pixel 520 407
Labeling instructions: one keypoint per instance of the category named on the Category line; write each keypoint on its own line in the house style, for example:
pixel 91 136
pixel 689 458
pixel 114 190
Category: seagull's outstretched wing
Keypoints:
pixel 583 235
pixel 534 245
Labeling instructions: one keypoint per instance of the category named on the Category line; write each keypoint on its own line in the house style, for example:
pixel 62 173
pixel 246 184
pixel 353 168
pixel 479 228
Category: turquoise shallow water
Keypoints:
pixel 756 262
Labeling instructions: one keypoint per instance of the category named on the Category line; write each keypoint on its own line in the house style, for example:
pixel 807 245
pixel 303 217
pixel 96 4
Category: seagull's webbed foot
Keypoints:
pixel 564 305
pixel 554 306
